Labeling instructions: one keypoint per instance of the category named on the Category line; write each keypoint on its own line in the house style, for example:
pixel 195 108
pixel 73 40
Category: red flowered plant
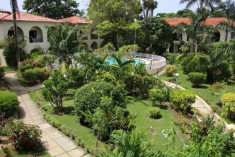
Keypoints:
pixel 6 151
pixel 25 137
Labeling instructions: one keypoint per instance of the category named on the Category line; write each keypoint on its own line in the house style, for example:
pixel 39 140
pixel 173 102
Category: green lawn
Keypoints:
pixel 23 154
pixel 70 121
pixel 143 122
pixel 204 90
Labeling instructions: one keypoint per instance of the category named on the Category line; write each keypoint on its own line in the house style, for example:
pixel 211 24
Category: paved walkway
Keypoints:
pixel 203 108
pixel 56 143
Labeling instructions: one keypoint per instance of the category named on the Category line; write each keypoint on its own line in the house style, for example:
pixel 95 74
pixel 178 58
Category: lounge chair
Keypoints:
pixel 152 58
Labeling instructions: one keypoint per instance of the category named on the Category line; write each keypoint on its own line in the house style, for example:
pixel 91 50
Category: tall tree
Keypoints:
pixel 148 7
pixel 56 9
pixel 203 6
pixel 15 9
pixel 114 19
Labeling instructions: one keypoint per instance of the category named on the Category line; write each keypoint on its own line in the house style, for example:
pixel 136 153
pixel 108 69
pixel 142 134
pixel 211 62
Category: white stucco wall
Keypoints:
pixel 2 59
pixel 26 26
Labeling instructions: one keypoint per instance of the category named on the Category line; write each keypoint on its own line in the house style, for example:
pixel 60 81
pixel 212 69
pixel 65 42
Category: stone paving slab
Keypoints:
pixel 55 142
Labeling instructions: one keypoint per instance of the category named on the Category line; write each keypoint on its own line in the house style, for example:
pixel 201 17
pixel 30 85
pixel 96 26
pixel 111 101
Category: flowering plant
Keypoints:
pixel 25 137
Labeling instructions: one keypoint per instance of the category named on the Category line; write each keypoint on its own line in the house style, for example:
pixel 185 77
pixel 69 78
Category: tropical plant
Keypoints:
pixel 109 117
pixel 129 145
pixel 55 89
pixel 63 41
pixel 202 4
pixel 35 75
pixel 218 63
pixel 123 66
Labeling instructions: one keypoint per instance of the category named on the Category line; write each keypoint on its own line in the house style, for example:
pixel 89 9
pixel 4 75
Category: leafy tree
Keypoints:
pixel 158 34
pixel 185 13
pixel 63 41
pixel 56 9
pixel 55 89
pixel 114 20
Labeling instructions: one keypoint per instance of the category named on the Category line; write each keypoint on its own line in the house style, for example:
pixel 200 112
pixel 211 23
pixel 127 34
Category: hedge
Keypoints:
pixel 228 101
pixel 8 103
pixel 197 78
pixel 182 99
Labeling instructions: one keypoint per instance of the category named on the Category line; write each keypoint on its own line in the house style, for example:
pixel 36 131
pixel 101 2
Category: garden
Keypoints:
pixel 121 109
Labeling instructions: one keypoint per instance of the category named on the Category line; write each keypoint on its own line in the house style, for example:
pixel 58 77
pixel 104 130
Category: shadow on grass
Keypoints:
pixel 65 110
pixel 200 86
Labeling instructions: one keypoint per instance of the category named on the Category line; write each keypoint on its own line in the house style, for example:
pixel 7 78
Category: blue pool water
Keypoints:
pixel 113 61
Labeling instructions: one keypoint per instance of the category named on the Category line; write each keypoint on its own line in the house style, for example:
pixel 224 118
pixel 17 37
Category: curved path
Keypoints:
pixel 203 108
pixel 56 143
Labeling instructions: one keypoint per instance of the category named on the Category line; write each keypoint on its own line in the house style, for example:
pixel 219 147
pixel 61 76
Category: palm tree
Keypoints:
pixel 63 41
pixel 122 65
pixel 15 9
pixel 201 3
pixel 148 6
pixel 152 5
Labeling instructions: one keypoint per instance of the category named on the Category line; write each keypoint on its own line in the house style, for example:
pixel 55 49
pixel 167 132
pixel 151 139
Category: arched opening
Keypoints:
pixel 94 45
pixel 216 36
pixel 232 35
pixel 35 35
pixel 12 33
pixel 93 36
pixel 177 36
pixel 84 46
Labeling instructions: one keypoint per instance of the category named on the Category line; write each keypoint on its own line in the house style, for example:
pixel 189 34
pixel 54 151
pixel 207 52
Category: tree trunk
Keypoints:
pixel 16 32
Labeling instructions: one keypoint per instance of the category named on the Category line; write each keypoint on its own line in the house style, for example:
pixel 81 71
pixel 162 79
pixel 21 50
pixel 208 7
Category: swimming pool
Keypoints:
pixel 111 61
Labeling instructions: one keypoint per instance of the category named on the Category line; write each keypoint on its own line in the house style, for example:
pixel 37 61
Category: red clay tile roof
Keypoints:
pixel 173 21
pixel 210 21
pixel 3 11
pixel 214 21
pixel 26 17
pixel 76 20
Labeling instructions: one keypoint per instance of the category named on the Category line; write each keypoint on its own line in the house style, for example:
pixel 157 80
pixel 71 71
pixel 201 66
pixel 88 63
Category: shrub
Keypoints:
pixel 140 85
pixel 25 137
pixel 156 95
pixel 195 63
pixel 37 50
pixel 154 112
pixel 228 101
pixel 9 51
pixel 197 78
pixel 8 103
pixel 88 97
pixel 172 57
pixel 55 89
pixel 169 70
pixel 29 64
pixel 36 75
pixel 182 99
pixel 2 72
pixel 109 117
